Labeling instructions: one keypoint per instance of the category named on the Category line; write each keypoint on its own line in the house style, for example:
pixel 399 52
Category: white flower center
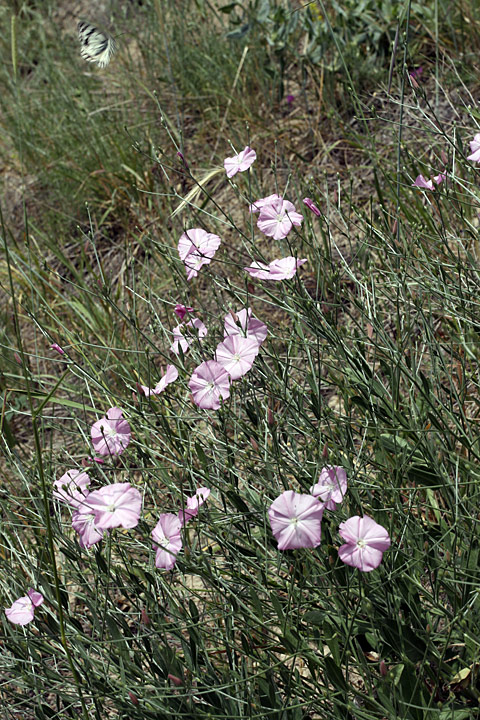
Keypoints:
pixel 111 432
pixel 111 508
pixel 361 543
pixel 293 521
pixel 280 217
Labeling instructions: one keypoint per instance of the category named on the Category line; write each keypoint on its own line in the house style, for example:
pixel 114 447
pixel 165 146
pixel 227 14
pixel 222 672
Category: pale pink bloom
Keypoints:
pixel 475 148
pixel 59 349
pixel 22 611
pixel 422 183
pixel 311 206
pixel 242 323
pixel 277 220
pixel 196 248
pixel 195 327
pixel 181 310
pixel 209 382
pixel 83 522
pixel 258 204
pixel 237 354
pixel 439 178
pixel 115 505
pixel 296 520
pixel 331 486
pixel 72 487
pixel 366 543
pixel 240 162
pixel 282 269
pixel 170 376
pixel 111 434
pixel 193 503
pixel 168 540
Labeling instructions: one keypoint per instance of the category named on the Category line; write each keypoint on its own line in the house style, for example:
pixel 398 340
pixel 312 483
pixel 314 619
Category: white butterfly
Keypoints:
pixel 97 46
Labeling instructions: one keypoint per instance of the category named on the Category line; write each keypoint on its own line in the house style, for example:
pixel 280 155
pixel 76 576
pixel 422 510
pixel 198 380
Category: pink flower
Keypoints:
pixel 422 183
pixel 366 543
pixel 184 342
pixel 258 204
pixel 276 220
pixel 196 248
pixel 282 269
pixel 428 184
pixel 296 520
pixel 168 541
pixel 170 376
pixel 311 206
pixel 209 382
pixel 181 310
pixel 71 488
pixel 475 148
pixel 193 503
pixel 83 522
pixel 115 505
pixel 56 347
pixel 111 434
pixel 242 323
pixel 416 73
pixel 331 486
pixel 22 611
pixel 237 354
pixel 240 162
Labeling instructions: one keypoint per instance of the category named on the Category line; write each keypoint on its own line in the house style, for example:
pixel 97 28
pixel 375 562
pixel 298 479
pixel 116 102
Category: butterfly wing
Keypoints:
pixel 96 45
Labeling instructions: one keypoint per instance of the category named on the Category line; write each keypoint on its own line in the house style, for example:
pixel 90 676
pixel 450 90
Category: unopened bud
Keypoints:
pixel 254 444
pixel 175 680
pixel 270 418
pixel 325 451
pixel 383 668
pixel 144 617
pixel 133 697
pixel 182 158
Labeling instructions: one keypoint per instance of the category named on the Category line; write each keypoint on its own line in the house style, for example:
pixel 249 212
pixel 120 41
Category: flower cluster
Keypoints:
pixel 295 518
pixel 276 219
pixel 234 357
pixel 296 522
